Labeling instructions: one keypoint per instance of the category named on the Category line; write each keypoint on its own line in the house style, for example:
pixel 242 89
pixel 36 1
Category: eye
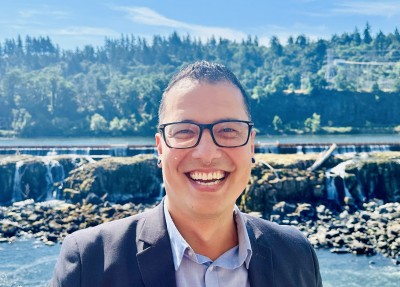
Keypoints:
pixel 182 131
pixel 228 130
pixel 187 131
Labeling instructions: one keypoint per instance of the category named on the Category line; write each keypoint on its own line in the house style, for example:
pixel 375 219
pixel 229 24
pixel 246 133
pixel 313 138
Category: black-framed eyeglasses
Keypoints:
pixel 225 133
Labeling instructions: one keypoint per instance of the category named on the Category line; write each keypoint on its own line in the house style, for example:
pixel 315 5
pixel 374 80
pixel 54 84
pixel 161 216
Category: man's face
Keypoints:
pixel 227 169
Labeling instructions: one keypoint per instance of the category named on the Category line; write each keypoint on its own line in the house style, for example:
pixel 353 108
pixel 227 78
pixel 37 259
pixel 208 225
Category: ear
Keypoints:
pixel 159 139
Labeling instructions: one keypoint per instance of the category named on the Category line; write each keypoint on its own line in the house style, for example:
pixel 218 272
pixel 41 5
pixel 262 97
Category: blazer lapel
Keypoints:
pixel 154 250
pixel 261 267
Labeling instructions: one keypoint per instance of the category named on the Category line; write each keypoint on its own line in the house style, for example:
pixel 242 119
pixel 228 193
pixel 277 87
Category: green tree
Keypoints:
pixel 98 124
pixel 367 35
pixel 21 120
pixel 276 46
pixel 375 88
pixel 356 37
pixel 313 124
pixel 277 123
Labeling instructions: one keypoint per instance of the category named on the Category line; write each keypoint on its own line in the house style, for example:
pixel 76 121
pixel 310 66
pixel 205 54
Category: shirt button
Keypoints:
pixel 190 252
pixel 212 268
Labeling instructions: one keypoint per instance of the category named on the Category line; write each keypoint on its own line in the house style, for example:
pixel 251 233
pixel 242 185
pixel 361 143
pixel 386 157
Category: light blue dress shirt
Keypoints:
pixel 196 270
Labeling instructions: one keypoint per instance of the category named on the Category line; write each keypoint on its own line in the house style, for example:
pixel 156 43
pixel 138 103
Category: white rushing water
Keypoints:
pixel 17 189
pixel 340 171
pixel 54 173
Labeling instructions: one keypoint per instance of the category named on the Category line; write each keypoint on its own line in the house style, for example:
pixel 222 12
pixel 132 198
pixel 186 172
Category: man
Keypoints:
pixel 196 236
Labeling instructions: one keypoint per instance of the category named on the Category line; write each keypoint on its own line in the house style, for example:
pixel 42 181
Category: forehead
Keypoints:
pixel 203 102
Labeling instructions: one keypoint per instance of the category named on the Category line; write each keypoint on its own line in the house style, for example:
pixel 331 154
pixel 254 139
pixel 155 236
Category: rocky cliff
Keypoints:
pixel 341 180
pixel 116 179
pixel 74 178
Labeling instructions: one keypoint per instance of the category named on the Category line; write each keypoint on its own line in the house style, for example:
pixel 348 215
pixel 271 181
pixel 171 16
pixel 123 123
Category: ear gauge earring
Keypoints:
pixel 253 160
pixel 159 162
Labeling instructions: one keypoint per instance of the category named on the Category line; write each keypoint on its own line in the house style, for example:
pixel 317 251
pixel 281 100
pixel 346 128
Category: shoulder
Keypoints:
pixel 110 233
pixel 280 239
pixel 289 249
pixel 274 231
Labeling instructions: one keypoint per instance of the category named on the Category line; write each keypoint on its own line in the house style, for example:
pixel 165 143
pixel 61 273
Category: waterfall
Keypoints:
pixel 118 150
pixel 52 152
pixel 331 190
pixel 54 173
pixel 349 149
pixel 331 174
pixel 360 193
pixel 79 151
pixel 17 190
pixel 268 148
pixel 314 148
pixel 346 190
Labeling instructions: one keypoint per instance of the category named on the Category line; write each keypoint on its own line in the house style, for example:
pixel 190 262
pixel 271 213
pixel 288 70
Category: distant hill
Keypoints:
pixel 351 80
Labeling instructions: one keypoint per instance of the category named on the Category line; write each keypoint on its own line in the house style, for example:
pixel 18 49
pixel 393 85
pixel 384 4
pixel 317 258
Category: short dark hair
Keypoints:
pixel 208 72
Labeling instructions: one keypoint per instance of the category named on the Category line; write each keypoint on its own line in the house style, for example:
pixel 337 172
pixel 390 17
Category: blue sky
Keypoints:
pixel 76 23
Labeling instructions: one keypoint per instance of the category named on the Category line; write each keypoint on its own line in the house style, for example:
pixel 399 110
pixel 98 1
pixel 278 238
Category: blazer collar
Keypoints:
pixel 155 255
pixel 154 250
pixel 261 265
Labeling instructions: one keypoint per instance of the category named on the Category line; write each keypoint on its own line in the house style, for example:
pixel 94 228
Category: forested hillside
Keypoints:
pixel 351 80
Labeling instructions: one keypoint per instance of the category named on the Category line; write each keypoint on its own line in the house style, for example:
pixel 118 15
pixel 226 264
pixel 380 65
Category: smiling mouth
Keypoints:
pixel 207 178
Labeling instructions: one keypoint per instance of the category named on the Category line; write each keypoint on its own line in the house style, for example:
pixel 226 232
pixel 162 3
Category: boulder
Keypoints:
pixel 118 179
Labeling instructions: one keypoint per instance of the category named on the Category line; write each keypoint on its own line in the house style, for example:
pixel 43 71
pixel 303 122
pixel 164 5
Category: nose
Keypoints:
pixel 206 150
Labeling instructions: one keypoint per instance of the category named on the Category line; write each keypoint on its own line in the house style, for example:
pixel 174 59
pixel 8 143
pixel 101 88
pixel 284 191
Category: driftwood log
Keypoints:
pixel 324 156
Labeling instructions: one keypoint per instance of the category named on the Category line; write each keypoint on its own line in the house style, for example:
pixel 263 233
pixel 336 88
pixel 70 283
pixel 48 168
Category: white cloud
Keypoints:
pixel 146 16
pixel 83 31
pixel 369 8
pixel 45 12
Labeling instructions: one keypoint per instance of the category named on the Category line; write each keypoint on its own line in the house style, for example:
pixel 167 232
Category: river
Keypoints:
pixel 360 138
pixel 26 263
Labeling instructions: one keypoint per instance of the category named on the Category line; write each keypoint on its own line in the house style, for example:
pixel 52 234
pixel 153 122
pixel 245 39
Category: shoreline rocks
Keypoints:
pixel 373 229
pixel 51 221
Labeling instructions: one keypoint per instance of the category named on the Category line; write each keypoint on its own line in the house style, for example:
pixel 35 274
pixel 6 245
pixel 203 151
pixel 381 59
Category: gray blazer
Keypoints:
pixel 136 251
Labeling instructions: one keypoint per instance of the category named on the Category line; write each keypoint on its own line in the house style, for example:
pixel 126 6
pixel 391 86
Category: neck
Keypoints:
pixel 208 236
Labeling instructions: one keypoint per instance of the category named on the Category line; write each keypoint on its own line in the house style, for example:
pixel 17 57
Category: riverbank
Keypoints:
pixel 373 137
pixel 374 229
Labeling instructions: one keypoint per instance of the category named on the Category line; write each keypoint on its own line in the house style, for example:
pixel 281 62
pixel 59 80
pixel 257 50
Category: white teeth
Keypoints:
pixel 209 183
pixel 206 176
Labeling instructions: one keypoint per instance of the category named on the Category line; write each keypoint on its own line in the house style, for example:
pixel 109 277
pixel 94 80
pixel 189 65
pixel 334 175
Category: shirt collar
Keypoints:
pixel 179 244
pixel 245 250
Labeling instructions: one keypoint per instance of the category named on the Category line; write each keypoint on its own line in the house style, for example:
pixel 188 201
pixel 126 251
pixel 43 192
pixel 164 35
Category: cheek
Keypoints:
pixel 242 157
pixel 173 158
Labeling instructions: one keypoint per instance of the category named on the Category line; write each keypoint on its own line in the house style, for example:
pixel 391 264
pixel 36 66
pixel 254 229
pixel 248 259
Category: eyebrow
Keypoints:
pixel 222 119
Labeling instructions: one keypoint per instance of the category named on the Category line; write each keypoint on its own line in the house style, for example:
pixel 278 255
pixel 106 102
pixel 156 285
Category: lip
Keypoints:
pixel 207 188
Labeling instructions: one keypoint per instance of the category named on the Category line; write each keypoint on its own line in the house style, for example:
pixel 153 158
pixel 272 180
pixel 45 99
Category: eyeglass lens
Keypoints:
pixel 227 134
